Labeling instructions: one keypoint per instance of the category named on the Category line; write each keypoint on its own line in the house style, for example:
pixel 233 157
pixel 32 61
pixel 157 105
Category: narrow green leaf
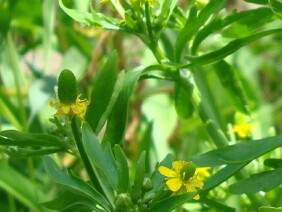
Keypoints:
pixel 22 152
pixel 273 162
pixel 66 199
pixel 171 202
pixel 166 11
pixel 146 143
pixel 102 161
pixel 238 153
pixel 269 209
pixel 74 184
pixel 228 49
pixel 218 22
pixel 91 19
pixel 232 85
pixel 264 181
pixel 122 169
pixel 182 101
pixel 222 175
pixel 16 138
pixel 156 176
pixel 116 124
pixel 139 177
pixel 20 187
pixel 192 25
pixel 102 91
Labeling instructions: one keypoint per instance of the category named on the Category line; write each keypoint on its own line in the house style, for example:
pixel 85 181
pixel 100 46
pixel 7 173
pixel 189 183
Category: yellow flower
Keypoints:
pixel 182 177
pixel 243 130
pixel 77 108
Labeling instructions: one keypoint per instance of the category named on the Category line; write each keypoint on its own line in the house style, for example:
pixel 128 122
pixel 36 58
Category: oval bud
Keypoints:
pixel 123 201
pixel 147 184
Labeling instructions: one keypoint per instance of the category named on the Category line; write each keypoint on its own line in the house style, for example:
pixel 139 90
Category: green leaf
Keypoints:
pixel 20 187
pixel 92 19
pixel 102 91
pixel 122 169
pixel 228 49
pixel 264 181
pixel 238 153
pixel 273 162
pixel 103 161
pixel 276 7
pixel 139 177
pixel 166 11
pixel 116 124
pixel 171 202
pixel 183 104
pixel 241 17
pixel 16 138
pixel 248 24
pixel 156 177
pixel 232 86
pixel 23 153
pixel 269 209
pixel 146 143
pixel 222 175
pixel 67 199
pixel 193 24
pixel 74 184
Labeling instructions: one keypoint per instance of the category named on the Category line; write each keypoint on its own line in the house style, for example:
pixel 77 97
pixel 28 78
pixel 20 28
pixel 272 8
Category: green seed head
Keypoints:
pixel 67 87
pixel 188 170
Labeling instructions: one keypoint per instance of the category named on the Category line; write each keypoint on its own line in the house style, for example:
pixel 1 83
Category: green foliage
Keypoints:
pixel 214 71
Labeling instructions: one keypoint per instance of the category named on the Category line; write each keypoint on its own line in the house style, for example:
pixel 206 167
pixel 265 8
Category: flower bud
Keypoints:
pixel 147 184
pixel 123 201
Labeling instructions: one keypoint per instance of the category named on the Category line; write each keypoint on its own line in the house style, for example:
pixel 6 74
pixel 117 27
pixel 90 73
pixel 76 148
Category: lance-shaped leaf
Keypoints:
pixel 232 85
pixel 102 161
pixel 218 23
pixel 122 169
pixel 16 138
pixel 21 188
pixel 171 202
pixel 228 49
pixel 192 25
pixel 238 153
pixel 183 104
pixel 91 19
pixel 74 184
pixel 102 91
pixel 116 124
pixel 264 181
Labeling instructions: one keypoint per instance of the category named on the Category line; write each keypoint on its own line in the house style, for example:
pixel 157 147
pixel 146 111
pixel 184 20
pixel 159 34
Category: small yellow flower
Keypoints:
pixel 243 130
pixel 77 108
pixel 182 177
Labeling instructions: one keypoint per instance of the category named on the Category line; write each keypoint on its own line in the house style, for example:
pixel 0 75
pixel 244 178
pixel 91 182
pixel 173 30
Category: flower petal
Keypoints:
pixel 167 172
pixel 174 184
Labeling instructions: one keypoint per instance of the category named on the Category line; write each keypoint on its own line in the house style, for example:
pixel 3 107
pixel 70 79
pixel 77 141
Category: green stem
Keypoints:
pixel 16 72
pixel 213 129
pixel 148 23
pixel 83 155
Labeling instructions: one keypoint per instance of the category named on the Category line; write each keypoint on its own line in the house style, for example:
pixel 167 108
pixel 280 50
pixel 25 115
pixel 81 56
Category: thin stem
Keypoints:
pixel 148 23
pixel 83 155
pixel 214 130
pixel 16 72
